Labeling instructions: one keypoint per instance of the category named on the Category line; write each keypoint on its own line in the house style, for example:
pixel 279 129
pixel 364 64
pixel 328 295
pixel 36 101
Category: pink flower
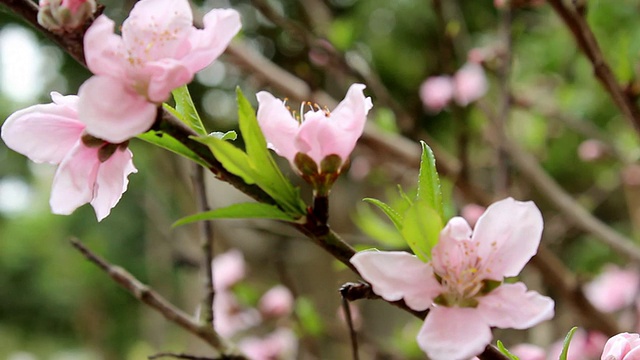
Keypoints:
pixel 228 269
pixel 470 84
pixel 90 170
pixel 436 92
pixel 462 285
pixel 614 289
pixel 65 15
pixel 276 302
pixel 317 133
pixel 279 345
pixel 623 346
pixel 592 150
pixel 159 50
pixel 471 213
pixel 528 352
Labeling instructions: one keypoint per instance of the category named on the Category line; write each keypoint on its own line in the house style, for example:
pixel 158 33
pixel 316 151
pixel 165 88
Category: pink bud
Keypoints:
pixel 591 150
pixel 228 269
pixel 623 346
pixel 436 92
pixel 65 15
pixel 472 213
pixel 276 302
pixel 469 84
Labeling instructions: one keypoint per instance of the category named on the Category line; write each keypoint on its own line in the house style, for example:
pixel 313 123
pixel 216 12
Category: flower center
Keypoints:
pixel 315 110
pixel 463 284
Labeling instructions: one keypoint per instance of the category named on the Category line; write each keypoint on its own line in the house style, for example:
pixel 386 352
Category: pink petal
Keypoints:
pixel 228 269
pixel 613 289
pixel 528 352
pixel 220 26
pixel 113 113
pixel 111 182
pixel 620 346
pixel 396 275
pixel 452 333
pixel 277 124
pixel 44 133
pixel 103 50
pixel 470 84
pixel 164 76
pixel 74 182
pixel 512 306
pixel 508 235
pixel 454 249
pixel 436 92
pixel 276 302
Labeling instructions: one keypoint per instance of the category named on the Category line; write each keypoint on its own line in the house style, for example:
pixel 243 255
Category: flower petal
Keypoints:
pixel 220 26
pixel 512 306
pixel 277 124
pixel 46 132
pixel 396 275
pixel 104 50
pixel 74 181
pixel 508 235
pixel 113 113
pixel 111 182
pixel 164 76
pixel 452 333
pixel 454 249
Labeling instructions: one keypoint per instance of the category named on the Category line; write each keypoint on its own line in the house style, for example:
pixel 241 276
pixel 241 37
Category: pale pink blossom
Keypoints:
pixel 230 317
pixel 614 289
pixel 591 150
pixel 90 171
pixel 159 50
pixel 453 286
pixel 472 212
pixel 470 84
pixel 65 15
pixel 623 346
pixel 228 269
pixel 279 345
pixel 277 302
pixel 436 92
pixel 317 133
pixel 528 352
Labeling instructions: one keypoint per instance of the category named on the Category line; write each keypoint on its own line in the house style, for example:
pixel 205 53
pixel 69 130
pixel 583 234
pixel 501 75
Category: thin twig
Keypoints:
pixel 574 19
pixel 206 230
pixel 150 297
pixel 352 331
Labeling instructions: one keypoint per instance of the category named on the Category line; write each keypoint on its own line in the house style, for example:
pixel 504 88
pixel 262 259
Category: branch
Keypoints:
pixel 148 296
pixel 206 229
pixel 574 19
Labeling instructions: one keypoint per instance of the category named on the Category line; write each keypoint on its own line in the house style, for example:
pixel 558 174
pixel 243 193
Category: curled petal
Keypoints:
pixel 44 133
pixel 111 182
pixel 73 184
pixel 164 76
pixel 508 235
pixel 452 333
pixel 512 306
pixel 396 275
pixel 277 124
pixel 112 112
pixel 220 26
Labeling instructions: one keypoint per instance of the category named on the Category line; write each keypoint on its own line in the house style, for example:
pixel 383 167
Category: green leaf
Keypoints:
pixel 167 142
pixel 187 111
pixel 233 159
pixel 421 229
pixel 370 223
pixel 567 341
pixel 238 211
pixel 309 318
pixel 428 181
pixel 506 352
pixel 229 135
pixel 393 215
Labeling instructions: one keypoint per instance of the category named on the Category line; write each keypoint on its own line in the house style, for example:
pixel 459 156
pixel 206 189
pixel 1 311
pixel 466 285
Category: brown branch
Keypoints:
pixel 148 296
pixel 206 230
pixel 574 19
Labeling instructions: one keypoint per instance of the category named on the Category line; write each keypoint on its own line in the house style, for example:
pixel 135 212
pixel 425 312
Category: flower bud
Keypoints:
pixel 65 15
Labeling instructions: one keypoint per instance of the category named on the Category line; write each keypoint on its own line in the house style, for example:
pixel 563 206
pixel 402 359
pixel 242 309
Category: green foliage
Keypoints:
pixel 429 189
pixel 167 142
pixel 420 229
pixel 186 110
pixel 256 165
pixel 310 320
pixel 565 344
pixel 238 211
pixel 506 352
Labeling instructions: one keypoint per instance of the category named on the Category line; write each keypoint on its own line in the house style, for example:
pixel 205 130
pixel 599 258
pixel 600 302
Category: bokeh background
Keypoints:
pixel 55 305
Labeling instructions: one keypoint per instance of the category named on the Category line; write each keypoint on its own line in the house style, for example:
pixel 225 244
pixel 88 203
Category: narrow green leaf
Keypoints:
pixel 567 341
pixel 233 159
pixel 421 229
pixel 167 142
pixel 187 110
pixel 428 181
pixel 394 216
pixel 267 174
pixel 370 224
pixel 506 352
pixel 238 211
